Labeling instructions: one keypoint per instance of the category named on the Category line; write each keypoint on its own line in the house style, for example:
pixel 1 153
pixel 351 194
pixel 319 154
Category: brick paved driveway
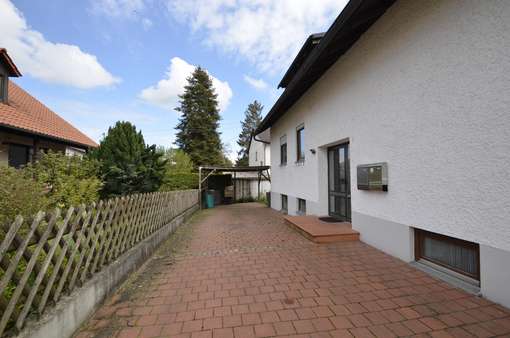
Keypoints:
pixel 241 272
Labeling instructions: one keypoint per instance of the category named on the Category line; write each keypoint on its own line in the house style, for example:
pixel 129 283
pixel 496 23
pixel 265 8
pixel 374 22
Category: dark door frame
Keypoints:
pixel 347 217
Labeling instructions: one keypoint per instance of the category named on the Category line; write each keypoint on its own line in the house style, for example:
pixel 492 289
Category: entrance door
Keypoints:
pixel 339 187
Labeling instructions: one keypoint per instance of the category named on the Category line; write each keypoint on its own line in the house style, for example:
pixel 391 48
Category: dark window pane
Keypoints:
pixel 300 144
pixel 301 206
pixel 283 153
pixel 284 202
pixel 458 255
pixel 18 155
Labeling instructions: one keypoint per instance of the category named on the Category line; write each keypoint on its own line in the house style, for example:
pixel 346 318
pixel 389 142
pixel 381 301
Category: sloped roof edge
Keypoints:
pixel 355 19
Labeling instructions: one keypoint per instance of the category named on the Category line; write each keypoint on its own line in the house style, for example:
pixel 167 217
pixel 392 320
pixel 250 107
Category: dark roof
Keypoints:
pixel 302 55
pixel 7 61
pixel 355 19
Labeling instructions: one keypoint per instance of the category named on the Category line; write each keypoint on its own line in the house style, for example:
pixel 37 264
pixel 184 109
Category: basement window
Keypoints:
pixel 455 254
pixel 284 203
pixel 301 206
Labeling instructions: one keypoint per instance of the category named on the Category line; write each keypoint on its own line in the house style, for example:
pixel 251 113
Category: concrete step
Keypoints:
pixel 322 232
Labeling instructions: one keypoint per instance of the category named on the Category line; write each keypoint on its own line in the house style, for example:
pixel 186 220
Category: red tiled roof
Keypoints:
pixel 24 112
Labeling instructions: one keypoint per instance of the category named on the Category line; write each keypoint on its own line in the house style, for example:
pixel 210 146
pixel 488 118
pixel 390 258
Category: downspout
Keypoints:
pixel 255 138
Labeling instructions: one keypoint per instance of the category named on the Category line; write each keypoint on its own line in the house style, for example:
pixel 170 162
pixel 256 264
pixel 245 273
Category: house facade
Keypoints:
pixel 259 154
pixel 247 183
pixel 28 127
pixel 418 89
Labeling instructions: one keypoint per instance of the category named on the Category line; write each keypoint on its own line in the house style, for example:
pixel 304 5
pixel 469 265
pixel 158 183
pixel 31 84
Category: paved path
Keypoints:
pixel 239 271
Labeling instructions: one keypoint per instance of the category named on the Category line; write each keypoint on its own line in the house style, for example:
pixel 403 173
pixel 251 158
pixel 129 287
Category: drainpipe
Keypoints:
pixel 255 138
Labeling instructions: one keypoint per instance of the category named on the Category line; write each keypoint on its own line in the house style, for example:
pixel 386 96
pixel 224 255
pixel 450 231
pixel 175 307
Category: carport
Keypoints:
pixel 207 171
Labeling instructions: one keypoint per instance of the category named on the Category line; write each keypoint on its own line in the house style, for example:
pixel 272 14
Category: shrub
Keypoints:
pixel 179 173
pixel 70 180
pixel 128 165
pixel 180 181
pixel 19 195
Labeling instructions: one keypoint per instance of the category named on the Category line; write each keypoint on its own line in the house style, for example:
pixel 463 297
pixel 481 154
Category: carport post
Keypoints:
pixel 258 187
pixel 200 187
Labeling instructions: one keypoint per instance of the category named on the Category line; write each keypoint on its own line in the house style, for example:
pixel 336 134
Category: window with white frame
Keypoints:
pixel 283 150
pixel 300 143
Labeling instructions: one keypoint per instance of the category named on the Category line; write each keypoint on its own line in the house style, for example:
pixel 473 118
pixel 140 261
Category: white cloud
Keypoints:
pixel 46 60
pixel 146 24
pixel 258 84
pixel 123 9
pixel 166 92
pixel 118 8
pixel 268 33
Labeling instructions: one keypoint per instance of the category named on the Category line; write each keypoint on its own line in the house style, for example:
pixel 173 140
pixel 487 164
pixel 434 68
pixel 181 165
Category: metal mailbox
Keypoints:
pixel 373 176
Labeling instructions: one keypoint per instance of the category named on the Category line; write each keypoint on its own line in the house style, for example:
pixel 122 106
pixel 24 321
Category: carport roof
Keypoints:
pixel 237 169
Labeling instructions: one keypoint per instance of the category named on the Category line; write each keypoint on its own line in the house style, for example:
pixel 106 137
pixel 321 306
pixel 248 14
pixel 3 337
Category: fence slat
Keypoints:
pixel 46 264
pixel 80 243
pixel 56 268
pixel 19 288
pixel 9 237
pixel 79 217
pixel 102 213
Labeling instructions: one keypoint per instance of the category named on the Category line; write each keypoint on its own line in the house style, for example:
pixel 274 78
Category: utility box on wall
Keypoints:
pixel 373 176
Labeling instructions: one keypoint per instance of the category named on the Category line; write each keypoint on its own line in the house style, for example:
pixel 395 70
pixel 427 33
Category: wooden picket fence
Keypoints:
pixel 53 253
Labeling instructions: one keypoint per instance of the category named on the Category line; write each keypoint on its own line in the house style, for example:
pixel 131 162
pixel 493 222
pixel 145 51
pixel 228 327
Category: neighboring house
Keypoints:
pixel 27 126
pixel 422 86
pixel 247 183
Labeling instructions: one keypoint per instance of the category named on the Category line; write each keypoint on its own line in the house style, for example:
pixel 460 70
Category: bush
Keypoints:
pixel 128 165
pixel 179 173
pixel 70 180
pixel 19 195
pixel 55 180
pixel 180 181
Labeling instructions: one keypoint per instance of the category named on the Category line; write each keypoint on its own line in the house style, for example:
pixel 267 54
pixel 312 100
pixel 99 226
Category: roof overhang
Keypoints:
pixel 30 133
pixel 355 19
pixel 8 63
pixel 310 43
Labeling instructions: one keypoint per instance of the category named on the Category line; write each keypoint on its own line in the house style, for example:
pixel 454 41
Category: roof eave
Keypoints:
pixel 50 137
pixel 13 70
pixel 353 30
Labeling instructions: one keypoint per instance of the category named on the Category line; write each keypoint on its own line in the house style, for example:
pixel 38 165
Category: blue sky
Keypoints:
pixel 98 61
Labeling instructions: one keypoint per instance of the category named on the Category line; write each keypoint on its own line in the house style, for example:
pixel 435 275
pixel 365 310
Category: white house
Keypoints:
pixel 423 87
pixel 247 183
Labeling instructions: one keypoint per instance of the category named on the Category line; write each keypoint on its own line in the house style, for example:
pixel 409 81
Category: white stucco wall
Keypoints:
pixel 259 154
pixel 426 90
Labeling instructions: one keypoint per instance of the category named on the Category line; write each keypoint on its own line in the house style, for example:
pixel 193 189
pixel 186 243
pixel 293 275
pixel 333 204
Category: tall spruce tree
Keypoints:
pixel 252 119
pixel 197 130
pixel 127 164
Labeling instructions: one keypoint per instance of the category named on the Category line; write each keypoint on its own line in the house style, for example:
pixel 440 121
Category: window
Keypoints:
pixel 300 142
pixel 19 155
pixel 301 206
pixel 452 253
pixel 256 156
pixel 284 203
pixel 2 88
pixel 283 150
